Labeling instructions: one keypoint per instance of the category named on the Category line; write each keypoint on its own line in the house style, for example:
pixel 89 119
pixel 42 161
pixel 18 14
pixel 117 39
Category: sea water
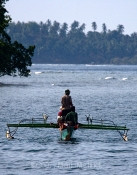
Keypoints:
pixel 104 92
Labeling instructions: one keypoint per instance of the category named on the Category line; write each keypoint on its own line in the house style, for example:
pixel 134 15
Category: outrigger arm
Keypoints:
pixel 92 124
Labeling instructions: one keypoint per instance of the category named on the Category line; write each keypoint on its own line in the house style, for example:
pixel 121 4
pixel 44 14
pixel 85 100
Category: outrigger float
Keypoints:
pixel 67 131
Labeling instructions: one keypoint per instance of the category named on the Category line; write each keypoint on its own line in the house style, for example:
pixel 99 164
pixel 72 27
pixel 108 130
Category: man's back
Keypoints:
pixel 66 102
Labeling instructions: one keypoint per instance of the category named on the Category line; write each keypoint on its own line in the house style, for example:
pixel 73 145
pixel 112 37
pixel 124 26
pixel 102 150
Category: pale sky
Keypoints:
pixel 110 12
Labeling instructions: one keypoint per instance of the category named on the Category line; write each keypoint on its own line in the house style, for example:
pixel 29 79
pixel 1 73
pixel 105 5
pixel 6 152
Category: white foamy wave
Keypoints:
pixel 38 72
pixel 124 79
pixel 95 65
pixel 108 78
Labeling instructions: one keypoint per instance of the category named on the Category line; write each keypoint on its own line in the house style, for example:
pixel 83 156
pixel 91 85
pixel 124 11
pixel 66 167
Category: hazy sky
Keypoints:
pixel 110 12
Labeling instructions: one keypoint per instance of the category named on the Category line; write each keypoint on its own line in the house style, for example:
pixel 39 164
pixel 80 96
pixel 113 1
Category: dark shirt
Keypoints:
pixel 72 116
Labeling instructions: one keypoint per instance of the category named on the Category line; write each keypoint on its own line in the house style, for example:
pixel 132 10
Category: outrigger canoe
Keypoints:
pixel 67 131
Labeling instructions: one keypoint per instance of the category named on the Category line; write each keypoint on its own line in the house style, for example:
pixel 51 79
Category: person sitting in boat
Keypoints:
pixel 72 117
pixel 66 103
pixel 60 118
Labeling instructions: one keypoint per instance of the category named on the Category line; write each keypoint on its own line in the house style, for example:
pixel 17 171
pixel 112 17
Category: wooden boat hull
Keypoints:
pixel 67 134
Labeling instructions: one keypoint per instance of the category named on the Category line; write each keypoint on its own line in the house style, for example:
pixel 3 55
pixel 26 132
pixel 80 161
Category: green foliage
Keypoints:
pixel 14 57
pixel 4 19
pixel 56 43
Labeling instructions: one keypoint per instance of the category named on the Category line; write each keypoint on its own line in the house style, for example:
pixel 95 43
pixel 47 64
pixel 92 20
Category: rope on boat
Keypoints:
pixel 15 130
pixel 9 135
pixel 124 136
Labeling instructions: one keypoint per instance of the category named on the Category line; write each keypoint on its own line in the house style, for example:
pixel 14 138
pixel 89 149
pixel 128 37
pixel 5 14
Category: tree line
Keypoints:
pixel 60 43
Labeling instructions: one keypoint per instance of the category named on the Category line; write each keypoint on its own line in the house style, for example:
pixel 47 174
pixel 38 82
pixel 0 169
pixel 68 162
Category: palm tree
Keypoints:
pixel 49 24
pixel 94 26
pixel 54 29
pixel 63 30
pixel 82 27
pixel 104 28
pixel 74 25
pixel 120 28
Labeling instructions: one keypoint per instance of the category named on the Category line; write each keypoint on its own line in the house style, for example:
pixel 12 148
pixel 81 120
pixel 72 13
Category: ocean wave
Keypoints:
pixel 37 72
pixel 124 79
pixel 109 78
